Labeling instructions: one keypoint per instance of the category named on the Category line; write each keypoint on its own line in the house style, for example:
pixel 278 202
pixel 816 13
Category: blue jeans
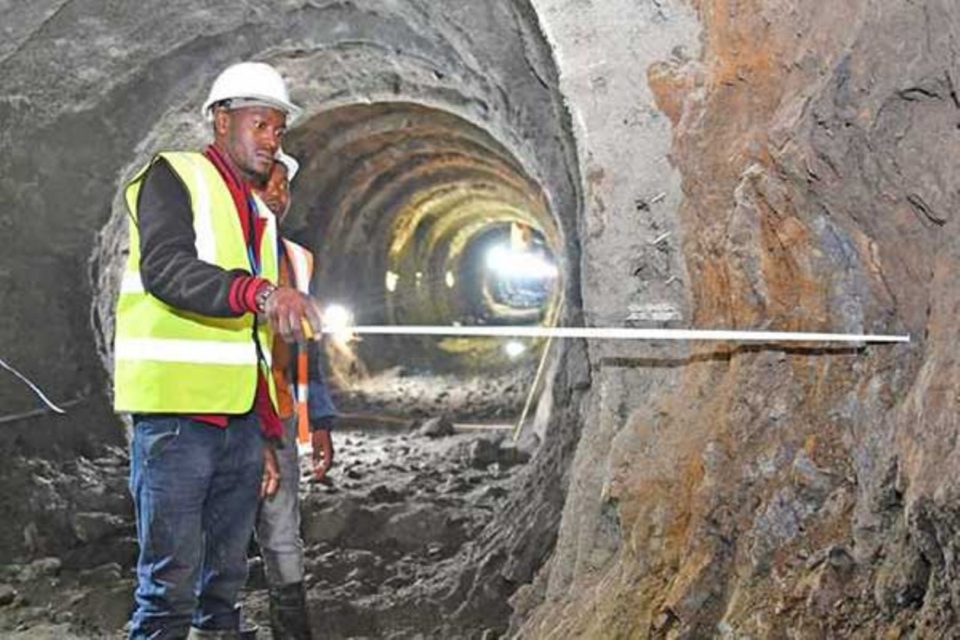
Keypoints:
pixel 195 491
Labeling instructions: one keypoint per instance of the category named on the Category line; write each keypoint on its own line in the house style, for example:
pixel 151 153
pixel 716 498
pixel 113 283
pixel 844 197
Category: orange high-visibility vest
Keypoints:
pixel 301 263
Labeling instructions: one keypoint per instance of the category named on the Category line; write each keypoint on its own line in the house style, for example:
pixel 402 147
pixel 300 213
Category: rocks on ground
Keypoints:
pixel 381 538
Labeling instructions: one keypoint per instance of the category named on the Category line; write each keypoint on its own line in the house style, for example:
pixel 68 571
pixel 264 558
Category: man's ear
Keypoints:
pixel 221 121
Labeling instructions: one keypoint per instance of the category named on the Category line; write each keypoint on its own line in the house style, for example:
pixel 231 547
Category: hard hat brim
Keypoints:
pixel 290 163
pixel 292 111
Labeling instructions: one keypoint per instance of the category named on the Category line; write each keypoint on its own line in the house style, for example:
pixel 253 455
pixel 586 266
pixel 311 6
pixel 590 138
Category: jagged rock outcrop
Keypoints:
pixel 773 491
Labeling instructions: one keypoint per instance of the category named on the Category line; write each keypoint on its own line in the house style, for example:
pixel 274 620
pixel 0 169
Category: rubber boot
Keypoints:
pixel 288 612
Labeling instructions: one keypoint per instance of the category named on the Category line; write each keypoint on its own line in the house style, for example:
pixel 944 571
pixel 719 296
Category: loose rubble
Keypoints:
pixel 403 498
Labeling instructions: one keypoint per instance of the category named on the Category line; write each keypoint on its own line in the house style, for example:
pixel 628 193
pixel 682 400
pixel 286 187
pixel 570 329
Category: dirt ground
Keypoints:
pixel 381 537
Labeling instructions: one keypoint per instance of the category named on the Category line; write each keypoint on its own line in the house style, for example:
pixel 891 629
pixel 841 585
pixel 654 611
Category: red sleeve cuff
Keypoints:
pixel 242 297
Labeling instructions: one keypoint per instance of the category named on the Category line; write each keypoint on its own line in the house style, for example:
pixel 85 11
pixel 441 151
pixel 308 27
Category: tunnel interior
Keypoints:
pixel 764 165
pixel 418 217
pixel 439 185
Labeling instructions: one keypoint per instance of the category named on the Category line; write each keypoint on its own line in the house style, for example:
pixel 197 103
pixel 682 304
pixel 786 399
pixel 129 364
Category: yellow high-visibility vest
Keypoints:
pixel 167 360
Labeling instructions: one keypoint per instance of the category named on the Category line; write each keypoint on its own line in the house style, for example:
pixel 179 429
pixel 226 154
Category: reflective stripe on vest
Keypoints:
pixel 199 351
pixel 169 360
pixel 301 266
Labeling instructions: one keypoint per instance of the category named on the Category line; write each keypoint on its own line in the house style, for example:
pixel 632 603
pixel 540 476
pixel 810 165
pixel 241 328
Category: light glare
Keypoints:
pixel 508 263
pixel 337 321
pixel 514 348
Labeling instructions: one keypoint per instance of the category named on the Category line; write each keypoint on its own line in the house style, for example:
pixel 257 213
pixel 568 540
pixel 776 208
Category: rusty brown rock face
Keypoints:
pixel 768 491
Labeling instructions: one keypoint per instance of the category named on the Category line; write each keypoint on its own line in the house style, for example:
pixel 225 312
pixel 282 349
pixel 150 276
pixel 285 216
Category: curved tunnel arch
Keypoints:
pixel 391 197
pixel 498 118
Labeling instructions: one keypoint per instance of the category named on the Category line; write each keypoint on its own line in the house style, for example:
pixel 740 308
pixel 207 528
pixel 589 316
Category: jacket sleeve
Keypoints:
pixel 169 266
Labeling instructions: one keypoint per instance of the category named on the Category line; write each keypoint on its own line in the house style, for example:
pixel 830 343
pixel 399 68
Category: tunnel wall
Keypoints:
pixel 766 163
pixel 807 156
pixel 92 89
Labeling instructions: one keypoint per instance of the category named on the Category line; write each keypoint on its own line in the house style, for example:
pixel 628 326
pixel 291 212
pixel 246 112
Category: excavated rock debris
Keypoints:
pixel 383 538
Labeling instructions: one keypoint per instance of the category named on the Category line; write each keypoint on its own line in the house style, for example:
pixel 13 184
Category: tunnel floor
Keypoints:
pixel 422 465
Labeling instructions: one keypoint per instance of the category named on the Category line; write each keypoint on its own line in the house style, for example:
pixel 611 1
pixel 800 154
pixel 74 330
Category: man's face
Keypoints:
pixel 251 137
pixel 275 193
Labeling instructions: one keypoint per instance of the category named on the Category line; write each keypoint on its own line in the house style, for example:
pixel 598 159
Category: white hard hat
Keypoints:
pixel 290 163
pixel 251 83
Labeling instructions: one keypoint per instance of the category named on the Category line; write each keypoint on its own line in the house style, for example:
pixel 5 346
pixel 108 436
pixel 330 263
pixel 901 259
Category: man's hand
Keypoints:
pixel 271 472
pixel 287 310
pixel 322 453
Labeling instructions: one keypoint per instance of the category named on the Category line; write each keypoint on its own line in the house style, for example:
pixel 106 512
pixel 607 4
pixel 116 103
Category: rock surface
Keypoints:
pixel 770 491
pixel 754 164
pixel 384 540
pixel 92 89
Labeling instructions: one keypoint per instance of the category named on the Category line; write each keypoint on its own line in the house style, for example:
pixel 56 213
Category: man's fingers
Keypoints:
pixel 270 481
pixel 296 326
pixel 274 485
pixel 321 469
pixel 283 326
pixel 314 316
pixel 320 463
pixel 322 457
pixel 270 484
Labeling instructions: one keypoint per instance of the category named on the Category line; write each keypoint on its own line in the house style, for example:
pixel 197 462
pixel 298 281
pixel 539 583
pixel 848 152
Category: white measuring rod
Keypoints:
pixel 614 333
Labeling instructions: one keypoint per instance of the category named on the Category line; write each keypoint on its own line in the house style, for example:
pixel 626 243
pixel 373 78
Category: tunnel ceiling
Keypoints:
pixel 402 205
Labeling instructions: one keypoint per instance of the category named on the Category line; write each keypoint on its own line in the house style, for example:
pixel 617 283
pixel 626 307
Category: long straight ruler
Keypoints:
pixel 614 333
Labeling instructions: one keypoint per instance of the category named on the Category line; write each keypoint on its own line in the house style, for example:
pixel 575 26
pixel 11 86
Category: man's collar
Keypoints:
pixel 226 166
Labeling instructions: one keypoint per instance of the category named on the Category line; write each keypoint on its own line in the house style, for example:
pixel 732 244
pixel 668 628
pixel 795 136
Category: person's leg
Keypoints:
pixel 278 525
pixel 278 532
pixel 228 519
pixel 171 463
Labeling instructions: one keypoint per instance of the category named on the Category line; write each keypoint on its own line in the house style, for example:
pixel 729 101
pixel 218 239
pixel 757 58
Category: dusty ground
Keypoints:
pixel 406 394
pixel 381 537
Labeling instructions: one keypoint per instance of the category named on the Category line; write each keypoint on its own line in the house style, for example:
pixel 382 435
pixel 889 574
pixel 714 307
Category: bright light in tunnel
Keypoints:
pixel 391 281
pixel 510 264
pixel 450 280
pixel 514 349
pixel 337 321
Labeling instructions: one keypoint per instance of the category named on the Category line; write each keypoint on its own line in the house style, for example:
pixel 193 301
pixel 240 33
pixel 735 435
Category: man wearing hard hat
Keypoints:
pixel 308 414
pixel 197 313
